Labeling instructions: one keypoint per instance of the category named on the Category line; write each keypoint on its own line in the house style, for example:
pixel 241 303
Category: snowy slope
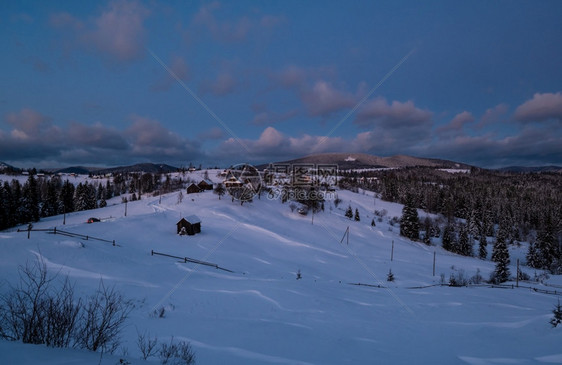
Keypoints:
pixel 261 314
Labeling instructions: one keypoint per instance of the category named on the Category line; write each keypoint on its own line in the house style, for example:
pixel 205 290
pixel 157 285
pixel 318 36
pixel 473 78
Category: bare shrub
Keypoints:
pixel 147 345
pixel 176 353
pixel 102 317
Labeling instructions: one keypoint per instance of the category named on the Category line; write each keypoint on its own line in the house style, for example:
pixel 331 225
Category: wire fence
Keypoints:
pixel 188 259
pixel 67 234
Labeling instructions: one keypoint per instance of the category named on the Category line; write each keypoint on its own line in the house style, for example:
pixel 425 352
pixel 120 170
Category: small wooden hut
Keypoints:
pixel 192 188
pixel 189 225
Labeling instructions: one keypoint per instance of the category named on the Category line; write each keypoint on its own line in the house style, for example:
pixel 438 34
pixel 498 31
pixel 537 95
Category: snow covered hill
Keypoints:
pixel 260 313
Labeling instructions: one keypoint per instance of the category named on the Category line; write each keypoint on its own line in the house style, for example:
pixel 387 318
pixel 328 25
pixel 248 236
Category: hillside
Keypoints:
pixel 260 313
pixel 347 161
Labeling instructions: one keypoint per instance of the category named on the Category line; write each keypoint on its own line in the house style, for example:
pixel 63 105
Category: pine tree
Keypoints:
pixel 448 239
pixel 409 222
pixel 557 311
pixel 30 200
pixel 482 250
pixel 357 218
pixel 465 244
pixel 349 212
pixel 533 259
pixel 373 224
pixel 501 257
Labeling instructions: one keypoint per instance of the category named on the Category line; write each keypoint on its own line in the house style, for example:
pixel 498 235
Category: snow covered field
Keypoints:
pixel 261 314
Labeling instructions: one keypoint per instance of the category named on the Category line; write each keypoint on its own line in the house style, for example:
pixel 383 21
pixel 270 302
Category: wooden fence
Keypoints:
pixel 68 234
pixel 188 259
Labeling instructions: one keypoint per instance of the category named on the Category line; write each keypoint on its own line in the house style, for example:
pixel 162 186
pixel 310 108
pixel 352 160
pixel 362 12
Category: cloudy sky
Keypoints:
pixel 119 82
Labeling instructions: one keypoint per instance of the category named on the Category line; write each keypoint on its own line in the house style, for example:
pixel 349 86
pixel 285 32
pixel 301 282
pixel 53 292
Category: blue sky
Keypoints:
pixel 119 82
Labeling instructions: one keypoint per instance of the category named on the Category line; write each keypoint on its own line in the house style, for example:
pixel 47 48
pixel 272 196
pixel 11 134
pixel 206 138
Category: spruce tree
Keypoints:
pixel 357 218
pixel 557 311
pixel 349 212
pixel 501 273
pixel 482 250
pixel 448 239
pixel 465 244
pixel 409 222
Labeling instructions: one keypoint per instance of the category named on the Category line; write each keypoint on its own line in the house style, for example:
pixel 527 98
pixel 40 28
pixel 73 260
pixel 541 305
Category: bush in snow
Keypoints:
pixel 557 311
pixel 390 276
pixel 176 353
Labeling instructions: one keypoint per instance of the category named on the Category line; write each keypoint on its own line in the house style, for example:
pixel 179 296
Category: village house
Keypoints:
pixel 189 225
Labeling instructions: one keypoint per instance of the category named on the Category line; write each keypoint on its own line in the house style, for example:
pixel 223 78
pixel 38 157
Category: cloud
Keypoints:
pixel 269 117
pixel 235 30
pixel 396 115
pixel 540 108
pixel 456 124
pixel 273 145
pixel 224 84
pixel 27 123
pixel 33 138
pixel 179 68
pixel 493 115
pixel 117 33
pixel 323 99
pixel 211 134
pixel 65 20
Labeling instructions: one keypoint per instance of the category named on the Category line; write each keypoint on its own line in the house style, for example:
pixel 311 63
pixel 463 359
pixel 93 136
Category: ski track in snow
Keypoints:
pixel 79 273
pixel 289 241
pixel 247 354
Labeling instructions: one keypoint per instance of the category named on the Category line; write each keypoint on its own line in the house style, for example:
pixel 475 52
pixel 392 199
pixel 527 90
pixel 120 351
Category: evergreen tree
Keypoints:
pixel 448 239
pixel 501 273
pixel 373 224
pixel 533 258
pixel 482 250
pixel 50 204
pixel 357 218
pixel 349 212
pixel 498 245
pixel 409 222
pixel 66 197
pixel 30 200
pixel 557 311
pixel 465 244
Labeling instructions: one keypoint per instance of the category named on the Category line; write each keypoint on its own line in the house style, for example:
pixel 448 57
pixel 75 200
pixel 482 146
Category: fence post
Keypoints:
pixel 86 238
pixel 113 242
pixel 151 252
pixel 392 251
pixel 433 263
pixel 517 276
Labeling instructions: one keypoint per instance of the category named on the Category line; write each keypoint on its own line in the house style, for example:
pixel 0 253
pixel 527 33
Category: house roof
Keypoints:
pixel 206 181
pixel 193 219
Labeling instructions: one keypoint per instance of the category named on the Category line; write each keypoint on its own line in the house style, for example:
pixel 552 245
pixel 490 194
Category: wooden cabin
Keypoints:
pixel 189 225
pixel 205 184
pixel 192 188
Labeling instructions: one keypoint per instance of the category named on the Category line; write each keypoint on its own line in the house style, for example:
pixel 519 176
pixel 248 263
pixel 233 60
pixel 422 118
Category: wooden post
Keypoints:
pixel 151 252
pixel 125 208
pixel 433 263
pixel 517 275
pixel 86 238
pixel 28 230
pixel 392 252
pixel 63 214
pixel 113 242
pixel 348 235
pixel 55 230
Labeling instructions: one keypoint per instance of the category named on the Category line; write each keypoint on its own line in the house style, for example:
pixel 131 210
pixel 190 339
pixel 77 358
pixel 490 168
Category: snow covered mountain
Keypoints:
pixel 341 310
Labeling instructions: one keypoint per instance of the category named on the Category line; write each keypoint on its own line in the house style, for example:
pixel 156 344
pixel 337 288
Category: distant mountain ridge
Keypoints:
pixel 550 168
pixel 140 167
pixel 347 161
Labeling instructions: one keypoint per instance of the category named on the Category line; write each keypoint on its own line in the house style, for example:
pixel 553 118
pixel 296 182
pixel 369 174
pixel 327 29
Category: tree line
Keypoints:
pixel 47 196
pixel 509 207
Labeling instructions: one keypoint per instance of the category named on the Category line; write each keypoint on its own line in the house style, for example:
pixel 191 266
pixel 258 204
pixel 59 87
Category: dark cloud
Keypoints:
pixel 541 107
pixel 397 115
pixel 493 115
pixel 456 125
pixel 34 139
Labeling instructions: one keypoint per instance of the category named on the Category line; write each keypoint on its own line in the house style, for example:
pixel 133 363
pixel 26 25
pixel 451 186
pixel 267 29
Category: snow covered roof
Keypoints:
pixel 193 219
